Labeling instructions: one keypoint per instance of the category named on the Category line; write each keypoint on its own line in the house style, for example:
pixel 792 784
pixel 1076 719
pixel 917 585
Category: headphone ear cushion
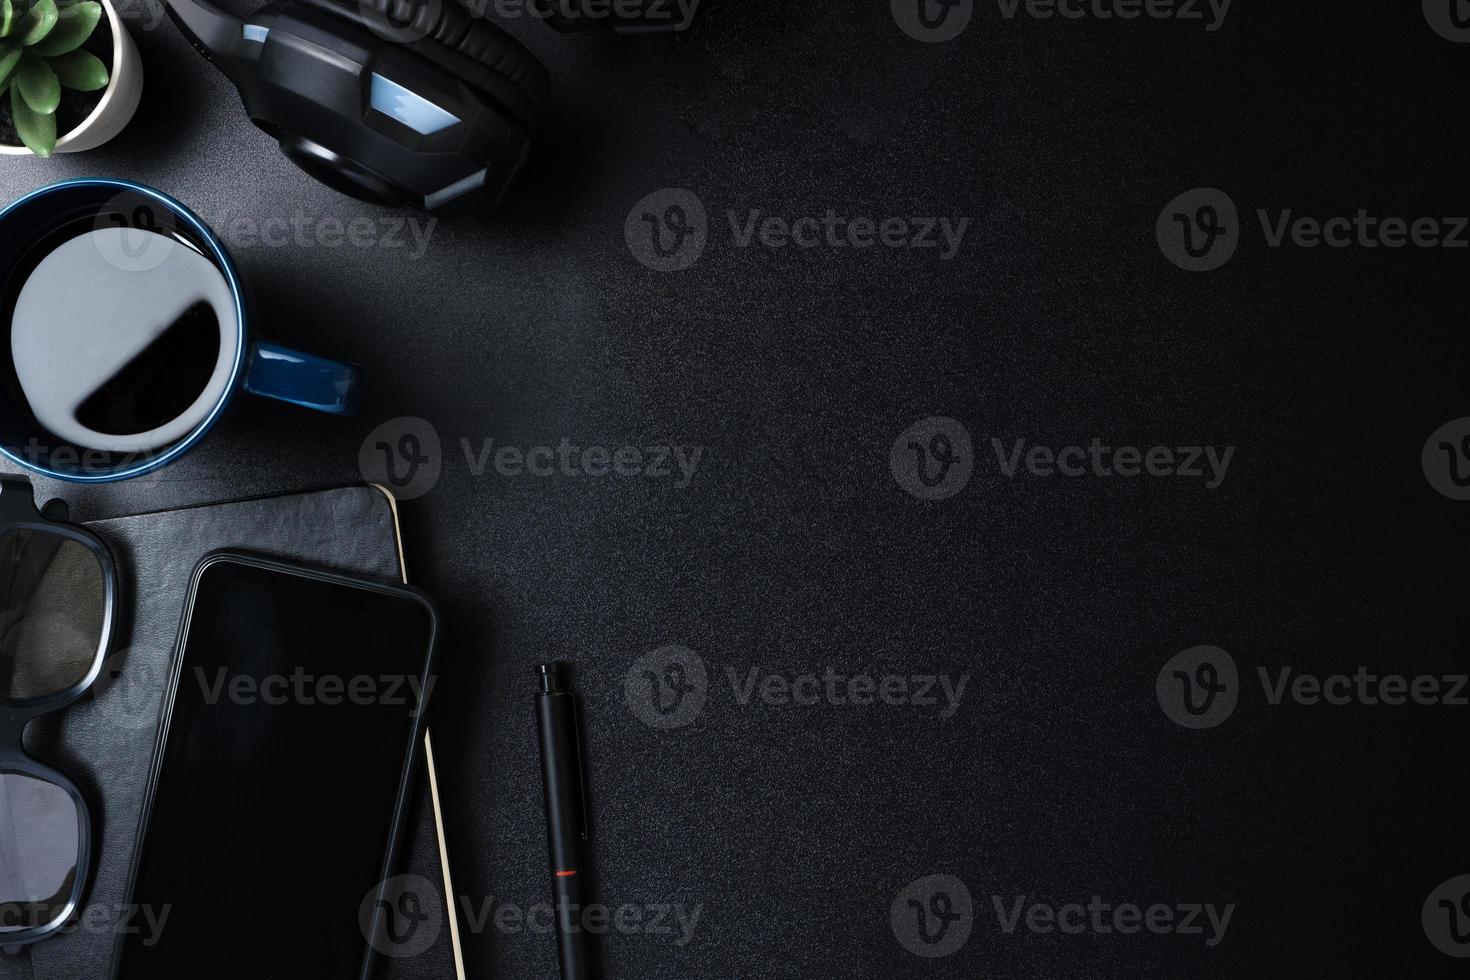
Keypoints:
pixel 450 24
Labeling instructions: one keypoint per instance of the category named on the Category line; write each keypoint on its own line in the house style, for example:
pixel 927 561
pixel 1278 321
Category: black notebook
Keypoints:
pixel 105 741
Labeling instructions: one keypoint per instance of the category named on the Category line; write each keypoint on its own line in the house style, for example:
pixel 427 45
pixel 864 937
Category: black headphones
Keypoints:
pixel 395 102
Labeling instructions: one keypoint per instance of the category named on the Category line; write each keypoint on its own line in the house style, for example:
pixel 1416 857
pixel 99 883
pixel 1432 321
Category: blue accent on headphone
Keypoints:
pixel 414 111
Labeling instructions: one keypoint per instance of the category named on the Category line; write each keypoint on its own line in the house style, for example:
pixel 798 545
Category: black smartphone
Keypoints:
pixel 291 730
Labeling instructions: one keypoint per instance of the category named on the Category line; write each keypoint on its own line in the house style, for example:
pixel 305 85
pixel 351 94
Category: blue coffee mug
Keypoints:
pixel 29 225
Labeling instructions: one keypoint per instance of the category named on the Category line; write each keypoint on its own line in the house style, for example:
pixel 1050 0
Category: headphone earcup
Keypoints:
pixel 446 32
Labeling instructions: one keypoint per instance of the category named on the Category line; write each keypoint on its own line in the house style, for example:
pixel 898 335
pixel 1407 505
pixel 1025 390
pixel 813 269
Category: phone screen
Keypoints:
pixel 294 719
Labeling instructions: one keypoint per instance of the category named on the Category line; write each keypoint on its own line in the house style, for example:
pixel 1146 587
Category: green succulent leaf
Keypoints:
pixel 38 85
pixel 38 22
pixel 37 130
pixel 7 17
pixel 9 58
pixel 73 26
pixel 81 71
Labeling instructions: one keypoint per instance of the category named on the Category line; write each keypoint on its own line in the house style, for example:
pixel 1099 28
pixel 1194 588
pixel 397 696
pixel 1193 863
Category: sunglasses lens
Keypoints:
pixel 53 605
pixel 39 846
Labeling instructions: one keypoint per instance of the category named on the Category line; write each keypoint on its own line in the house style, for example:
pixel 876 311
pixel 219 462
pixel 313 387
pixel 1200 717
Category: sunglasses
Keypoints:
pixel 58 606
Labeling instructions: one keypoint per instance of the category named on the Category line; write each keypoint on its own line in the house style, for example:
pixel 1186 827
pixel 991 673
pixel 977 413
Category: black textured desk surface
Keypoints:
pixel 795 824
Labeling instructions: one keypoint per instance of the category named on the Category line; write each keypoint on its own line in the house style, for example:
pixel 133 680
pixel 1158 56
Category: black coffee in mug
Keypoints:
pixel 122 331
pixel 125 334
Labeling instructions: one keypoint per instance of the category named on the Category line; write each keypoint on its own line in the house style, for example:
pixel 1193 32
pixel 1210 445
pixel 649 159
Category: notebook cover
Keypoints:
pixel 105 741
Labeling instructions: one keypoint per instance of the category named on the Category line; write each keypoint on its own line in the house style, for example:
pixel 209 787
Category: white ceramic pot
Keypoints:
pixel 119 100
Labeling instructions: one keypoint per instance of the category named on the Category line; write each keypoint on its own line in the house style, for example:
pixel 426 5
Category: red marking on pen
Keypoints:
pixel 565 874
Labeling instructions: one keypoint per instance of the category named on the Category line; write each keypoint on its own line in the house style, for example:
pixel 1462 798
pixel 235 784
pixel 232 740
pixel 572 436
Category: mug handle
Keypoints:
pixel 303 379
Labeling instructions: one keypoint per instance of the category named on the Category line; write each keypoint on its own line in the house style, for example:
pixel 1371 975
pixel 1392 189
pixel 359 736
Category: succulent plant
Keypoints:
pixel 41 54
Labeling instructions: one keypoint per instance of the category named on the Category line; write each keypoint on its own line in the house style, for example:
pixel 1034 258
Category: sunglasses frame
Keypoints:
pixel 18 513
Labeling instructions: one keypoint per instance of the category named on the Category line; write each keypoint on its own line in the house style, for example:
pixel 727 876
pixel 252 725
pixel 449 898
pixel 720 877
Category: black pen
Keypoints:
pixel 567 828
